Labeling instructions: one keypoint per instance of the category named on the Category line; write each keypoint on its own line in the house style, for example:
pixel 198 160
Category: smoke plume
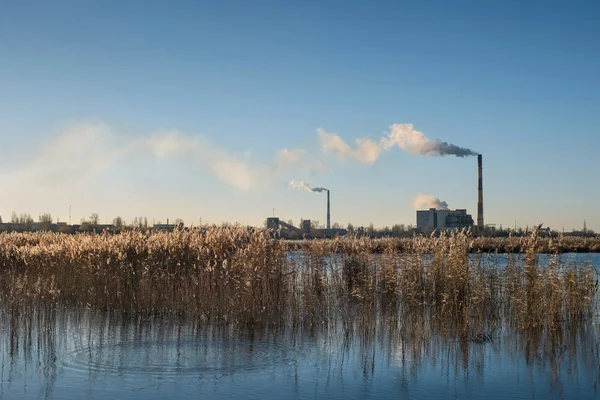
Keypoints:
pixel 403 136
pixel 94 147
pixel 426 201
pixel 306 186
pixel 416 143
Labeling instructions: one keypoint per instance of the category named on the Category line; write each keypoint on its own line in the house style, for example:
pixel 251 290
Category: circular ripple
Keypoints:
pixel 177 357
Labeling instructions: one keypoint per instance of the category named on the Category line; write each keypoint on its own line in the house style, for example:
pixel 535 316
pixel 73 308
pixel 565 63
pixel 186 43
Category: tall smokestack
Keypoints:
pixel 328 213
pixel 480 195
pixel 306 186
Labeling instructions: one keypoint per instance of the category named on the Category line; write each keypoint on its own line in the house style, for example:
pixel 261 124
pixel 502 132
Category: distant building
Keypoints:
pixel 287 231
pixel 164 227
pixel 104 227
pixel 306 227
pixel 443 220
pixel 333 232
pixel 273 223
pixel 544 231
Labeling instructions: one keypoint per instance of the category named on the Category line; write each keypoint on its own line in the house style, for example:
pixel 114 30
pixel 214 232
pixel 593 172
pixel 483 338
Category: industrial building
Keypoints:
pixel 276 224
pixel 288 231
pixel 443 220
pixel 454 220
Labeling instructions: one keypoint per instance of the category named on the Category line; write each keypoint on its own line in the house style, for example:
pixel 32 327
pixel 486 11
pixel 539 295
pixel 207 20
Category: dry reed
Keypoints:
pixel 241 276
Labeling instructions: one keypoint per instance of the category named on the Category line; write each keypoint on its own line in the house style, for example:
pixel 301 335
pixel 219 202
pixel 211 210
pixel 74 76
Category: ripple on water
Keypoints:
pixel 181 357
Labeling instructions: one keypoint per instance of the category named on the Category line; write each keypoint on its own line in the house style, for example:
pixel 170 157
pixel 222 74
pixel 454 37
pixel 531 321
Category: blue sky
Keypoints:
pixel 180 109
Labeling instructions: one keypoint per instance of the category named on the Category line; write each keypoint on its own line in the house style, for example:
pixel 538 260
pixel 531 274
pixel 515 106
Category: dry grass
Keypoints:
pixel 235 275
pixel 433 299
pixel 224 273
pixel 549 245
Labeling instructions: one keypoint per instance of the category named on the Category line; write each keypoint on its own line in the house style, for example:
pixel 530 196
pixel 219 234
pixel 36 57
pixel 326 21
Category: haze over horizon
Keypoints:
pixel 209 109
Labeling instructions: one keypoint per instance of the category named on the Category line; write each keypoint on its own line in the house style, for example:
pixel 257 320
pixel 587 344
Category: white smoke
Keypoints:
pixel 287 156
pixel 306 186
pixel 403 136
pixel 87 149
pixel 366 151
pixel 416 143
pixel 82 150
pixel 426 201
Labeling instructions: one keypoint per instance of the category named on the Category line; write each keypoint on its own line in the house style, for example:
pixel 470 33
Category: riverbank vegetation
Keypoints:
pixel 235 275
pixel 544 244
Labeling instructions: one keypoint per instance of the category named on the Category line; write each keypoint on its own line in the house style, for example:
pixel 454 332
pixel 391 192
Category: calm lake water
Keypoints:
pixel 80 354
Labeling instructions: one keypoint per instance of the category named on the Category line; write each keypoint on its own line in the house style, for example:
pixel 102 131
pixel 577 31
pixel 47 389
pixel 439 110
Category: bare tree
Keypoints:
pixel 45 221
pixel 25 219
pixel 397 230
pixel 94 219
pixel 371 229
pixel 46 218
pixel 179 223
pixel 118 222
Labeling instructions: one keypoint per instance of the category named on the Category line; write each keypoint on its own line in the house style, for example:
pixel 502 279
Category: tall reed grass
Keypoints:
pixel 240 276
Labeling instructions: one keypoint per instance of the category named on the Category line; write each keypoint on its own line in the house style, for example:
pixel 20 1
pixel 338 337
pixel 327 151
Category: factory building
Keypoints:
pixel 288 231
pixel 443 220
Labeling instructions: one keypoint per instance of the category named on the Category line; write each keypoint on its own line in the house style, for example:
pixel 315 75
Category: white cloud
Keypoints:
pixel 172 144
pixel 366 150
pixel 87 149
pixel 82 150
pixel 287 156
pixel 235 173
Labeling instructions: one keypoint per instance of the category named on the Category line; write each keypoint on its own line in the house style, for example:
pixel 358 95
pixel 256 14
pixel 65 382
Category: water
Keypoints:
pixel 83 354
pixel 570 259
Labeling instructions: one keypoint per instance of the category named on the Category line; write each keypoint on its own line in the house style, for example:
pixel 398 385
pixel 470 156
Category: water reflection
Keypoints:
pixel 47 353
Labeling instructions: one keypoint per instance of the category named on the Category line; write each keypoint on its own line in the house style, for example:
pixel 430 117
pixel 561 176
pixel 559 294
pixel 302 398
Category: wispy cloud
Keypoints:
pixel 290 157
pixel 82 150
pixel 365 151
pixel 86 149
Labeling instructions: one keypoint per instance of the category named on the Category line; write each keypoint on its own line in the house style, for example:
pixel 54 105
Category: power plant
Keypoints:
pixel 306 230
pixel 435 214
pixel 444 219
